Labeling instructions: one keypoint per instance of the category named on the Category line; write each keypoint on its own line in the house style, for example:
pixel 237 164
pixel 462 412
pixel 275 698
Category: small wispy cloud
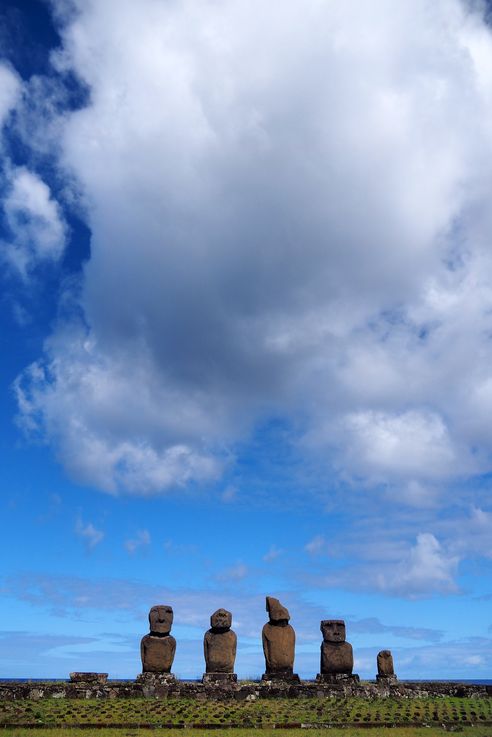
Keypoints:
pixel 235 573
pixel 372 625
pixel 176 548
pixel 141 540
pixel 89 533
pixel 229 494
pixel 35 221
pixel 316 546
pixel 272 554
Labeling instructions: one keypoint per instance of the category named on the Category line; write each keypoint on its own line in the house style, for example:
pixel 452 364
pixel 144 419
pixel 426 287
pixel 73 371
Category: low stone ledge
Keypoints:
pixel 168 687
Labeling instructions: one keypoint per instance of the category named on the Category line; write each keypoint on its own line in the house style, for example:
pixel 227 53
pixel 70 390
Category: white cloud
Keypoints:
pixel 427 567
pixel 424 569
pixel 289 208
pixel 407 444
pixel 141 540
pixel 89 533
pixel 10 87
pixel 473 536
pixel 35 221
pixel 125 457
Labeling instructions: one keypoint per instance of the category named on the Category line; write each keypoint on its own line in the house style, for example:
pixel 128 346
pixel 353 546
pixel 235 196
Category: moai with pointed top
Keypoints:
pixel 219 647
pixel 159 646
pixel 386 669
pixel 337 657
pixel 279 641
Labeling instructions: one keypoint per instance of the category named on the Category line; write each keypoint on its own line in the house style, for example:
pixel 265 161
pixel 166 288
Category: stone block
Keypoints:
pixel 279 677
pixel 219 678
pixel 89 677
pixel 334 678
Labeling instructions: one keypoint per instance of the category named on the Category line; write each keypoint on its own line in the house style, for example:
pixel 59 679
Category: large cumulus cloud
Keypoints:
pixel 289 207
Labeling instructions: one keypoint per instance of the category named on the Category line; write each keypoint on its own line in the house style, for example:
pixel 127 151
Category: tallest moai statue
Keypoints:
pixel 279 640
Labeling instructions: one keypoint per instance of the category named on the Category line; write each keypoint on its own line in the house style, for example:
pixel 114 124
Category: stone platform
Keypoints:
pixel 338 678
pixel 166 686
pixel 280 678
pixel 219 679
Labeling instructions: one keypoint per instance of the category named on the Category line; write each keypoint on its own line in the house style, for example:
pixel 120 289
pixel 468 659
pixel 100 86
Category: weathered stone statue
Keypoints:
pixel 158 647
pixel 337 658
pixel 386 669
pixel 279 640
pixel 219 647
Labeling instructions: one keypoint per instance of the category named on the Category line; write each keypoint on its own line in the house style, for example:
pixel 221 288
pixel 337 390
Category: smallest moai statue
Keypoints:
pixel 219 647
pixel 157 649
pixel 337 657
pixel 386 670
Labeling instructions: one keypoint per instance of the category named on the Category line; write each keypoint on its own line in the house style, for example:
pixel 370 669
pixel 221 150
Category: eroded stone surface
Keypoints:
pixel 385 664
pixel 220 643
pixel 165 685
pixel 337 657
pixel 153 679
pixel 386 672
pixel 84 677
pixel 279 641
pixel 334 678
pixel 161 619
pixel 219 678
pixel 158 648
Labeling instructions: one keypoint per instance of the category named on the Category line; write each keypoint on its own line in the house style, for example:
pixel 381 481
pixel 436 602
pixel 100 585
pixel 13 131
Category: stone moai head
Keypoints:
pixel 221 620
pixel 276 612
pixel 333 630
pixel 161 619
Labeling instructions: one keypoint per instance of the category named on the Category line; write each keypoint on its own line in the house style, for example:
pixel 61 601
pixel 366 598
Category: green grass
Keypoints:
pixel 139 712
pixel 388 732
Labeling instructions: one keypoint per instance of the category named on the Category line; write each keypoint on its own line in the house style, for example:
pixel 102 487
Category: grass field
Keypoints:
pixel 136 713
pixel 349 732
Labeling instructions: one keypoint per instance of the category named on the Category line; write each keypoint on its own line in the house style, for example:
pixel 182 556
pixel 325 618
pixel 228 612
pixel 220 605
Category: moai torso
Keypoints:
pixel 279 639
pixel 220 644
pixel 157 653
pixel 337 656
pixel 385 664
pixel 157 649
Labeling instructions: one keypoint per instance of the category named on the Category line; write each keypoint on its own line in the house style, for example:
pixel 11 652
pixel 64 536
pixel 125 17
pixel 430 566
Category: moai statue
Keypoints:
pixel 279 640
pixel 158 647
pixel 386 669
pixel 219 647
pixel 337 658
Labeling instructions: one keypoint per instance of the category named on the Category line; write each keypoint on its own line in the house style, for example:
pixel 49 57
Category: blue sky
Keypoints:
pixel 246 297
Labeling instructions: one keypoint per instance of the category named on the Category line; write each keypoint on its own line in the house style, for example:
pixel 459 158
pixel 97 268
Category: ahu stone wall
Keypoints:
pixel 96 686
